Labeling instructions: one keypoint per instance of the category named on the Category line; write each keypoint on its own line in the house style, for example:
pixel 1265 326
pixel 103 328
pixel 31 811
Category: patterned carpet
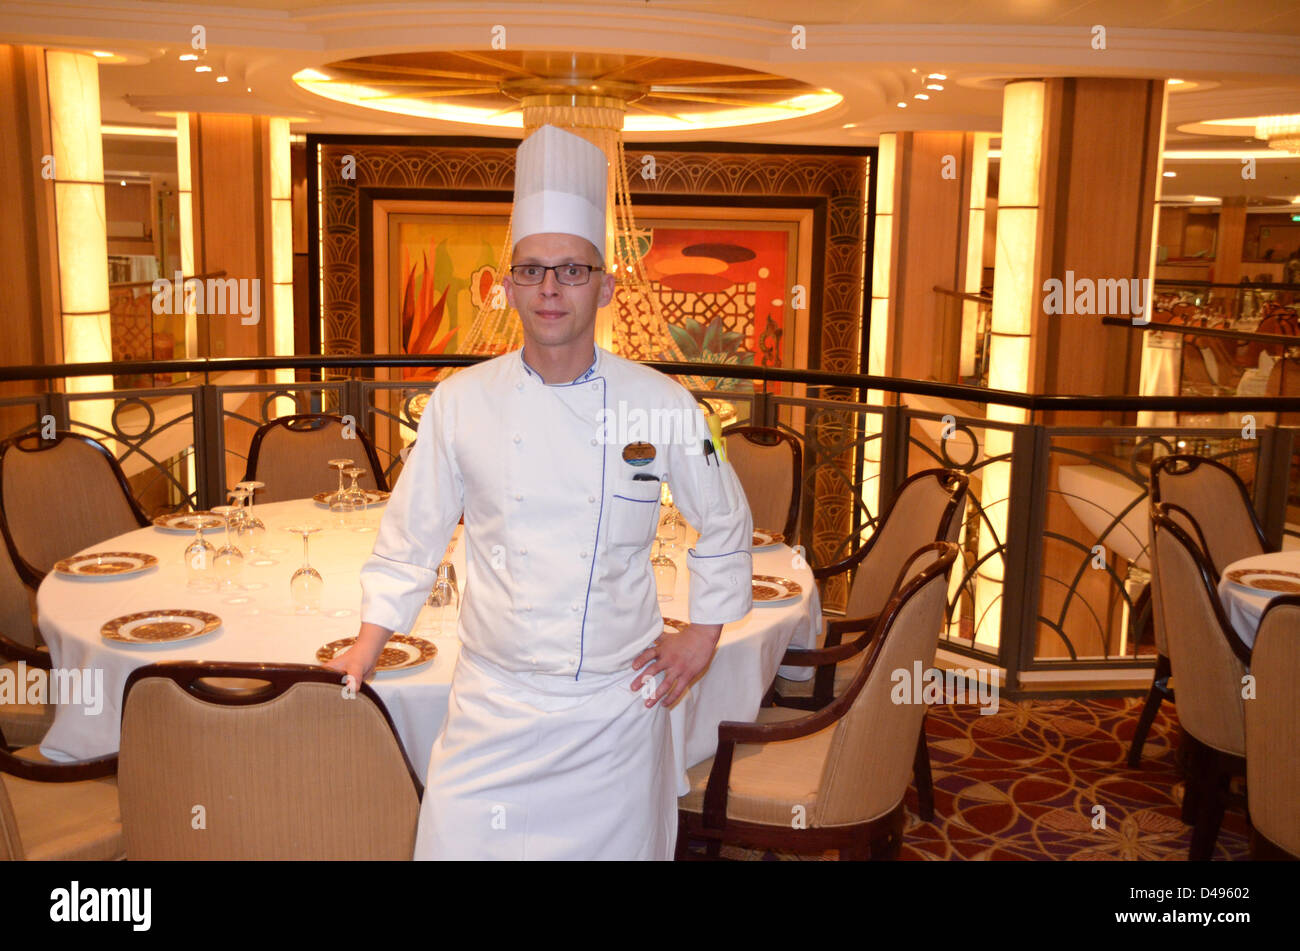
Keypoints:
pixel 1022 784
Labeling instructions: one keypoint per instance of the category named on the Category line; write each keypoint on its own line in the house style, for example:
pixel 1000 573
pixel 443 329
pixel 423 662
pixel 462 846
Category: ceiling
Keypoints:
pixel 1237 58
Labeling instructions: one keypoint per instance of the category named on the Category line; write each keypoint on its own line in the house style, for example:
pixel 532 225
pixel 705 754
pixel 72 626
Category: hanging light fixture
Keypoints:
pixel 1281 132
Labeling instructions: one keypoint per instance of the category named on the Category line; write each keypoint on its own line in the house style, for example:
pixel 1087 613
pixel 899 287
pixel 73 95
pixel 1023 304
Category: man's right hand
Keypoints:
pixel 359 660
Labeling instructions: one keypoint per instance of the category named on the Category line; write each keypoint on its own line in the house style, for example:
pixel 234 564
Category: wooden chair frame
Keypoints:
pixel 1210 770
pixel 770 436
pixel 34 442
pixel 877 838
pixel 306 422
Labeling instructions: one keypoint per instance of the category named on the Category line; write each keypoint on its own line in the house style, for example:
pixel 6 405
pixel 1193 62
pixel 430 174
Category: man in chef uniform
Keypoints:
pixel 556 743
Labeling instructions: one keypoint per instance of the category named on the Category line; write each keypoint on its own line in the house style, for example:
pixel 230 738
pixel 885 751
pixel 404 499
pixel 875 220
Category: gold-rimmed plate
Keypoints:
pixel 1271 580
pixel 770 591
pixel 159 627
pixel 105 564
pixel 182 523
pixel 373 497
pixel 402 653
pixel 765 539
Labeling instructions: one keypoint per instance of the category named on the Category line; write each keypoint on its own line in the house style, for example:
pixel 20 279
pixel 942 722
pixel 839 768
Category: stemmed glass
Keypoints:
pixel 357 496
pixel 341 508
pixel 671 531
pixel 251 526
pixel 199 557
pixel 229 560
pixel 665 572
pixel 340 465
pixel 306 585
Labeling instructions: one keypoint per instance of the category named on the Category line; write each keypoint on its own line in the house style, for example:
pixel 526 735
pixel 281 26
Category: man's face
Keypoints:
pixel 553 314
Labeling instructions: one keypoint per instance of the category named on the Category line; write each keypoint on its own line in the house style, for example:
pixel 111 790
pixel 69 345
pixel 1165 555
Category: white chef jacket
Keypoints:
pixel 557 530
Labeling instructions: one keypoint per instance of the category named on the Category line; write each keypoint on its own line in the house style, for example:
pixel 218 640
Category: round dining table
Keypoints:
pixel 1245 603
pixel 260 623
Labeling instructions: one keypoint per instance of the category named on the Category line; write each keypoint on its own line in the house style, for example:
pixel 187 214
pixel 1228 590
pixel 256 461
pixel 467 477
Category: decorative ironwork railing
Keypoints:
pixel 1054 533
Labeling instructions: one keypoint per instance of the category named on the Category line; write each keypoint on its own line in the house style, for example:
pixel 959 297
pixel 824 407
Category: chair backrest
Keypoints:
pixel 1217 500
pixel 1273 726
pixel 769 464
pixel 869 762
pixel 291 455
pixel 927 507
pixel 58 496
pixel 296 771
pixel 1184 520
pixel 1208 659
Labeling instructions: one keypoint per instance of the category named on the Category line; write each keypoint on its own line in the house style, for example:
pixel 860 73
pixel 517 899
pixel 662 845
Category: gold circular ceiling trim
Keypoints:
pixel 491 88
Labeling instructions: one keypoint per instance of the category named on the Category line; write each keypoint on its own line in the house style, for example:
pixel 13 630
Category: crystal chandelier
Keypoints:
pixel 1282 132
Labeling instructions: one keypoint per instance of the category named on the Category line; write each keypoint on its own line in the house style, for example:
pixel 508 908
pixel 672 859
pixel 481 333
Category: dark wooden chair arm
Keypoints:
pixel 731 732
pixel 843 565
pixel 818 656
pixel 12 650
pixel 58 772
pixel 835 630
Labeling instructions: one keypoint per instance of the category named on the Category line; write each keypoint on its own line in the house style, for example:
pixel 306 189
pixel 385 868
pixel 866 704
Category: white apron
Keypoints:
pixel 542 767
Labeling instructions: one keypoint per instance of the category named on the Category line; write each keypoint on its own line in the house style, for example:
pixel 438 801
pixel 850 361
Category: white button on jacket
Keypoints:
pixel 484 440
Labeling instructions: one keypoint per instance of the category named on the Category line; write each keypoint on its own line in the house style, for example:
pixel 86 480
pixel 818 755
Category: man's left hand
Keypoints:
pixel 680 657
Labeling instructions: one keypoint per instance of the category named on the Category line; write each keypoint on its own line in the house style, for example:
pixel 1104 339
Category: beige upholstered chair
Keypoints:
pixel 291 455
pixel 1273 732
pixel 1216 500
pixel 833 779
pixel 298 771
pixel 1210 502
pixel 1210 661
pixel 58 811
pixel 21 724
pixel 769 464
pixel 58 496
pixel 927 507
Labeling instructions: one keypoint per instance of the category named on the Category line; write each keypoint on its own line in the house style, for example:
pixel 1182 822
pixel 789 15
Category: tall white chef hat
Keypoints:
pixel 560 187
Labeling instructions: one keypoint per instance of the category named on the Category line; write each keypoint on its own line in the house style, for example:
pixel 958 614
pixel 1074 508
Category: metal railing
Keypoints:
pixel 1054 538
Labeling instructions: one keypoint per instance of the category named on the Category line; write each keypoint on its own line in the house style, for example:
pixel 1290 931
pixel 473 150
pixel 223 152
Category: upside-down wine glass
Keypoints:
pixel 199 557
pixel 357 496
pixel 306 586
pixel 665 573
pixel 253 528
pixel 340 465
pixel 229 560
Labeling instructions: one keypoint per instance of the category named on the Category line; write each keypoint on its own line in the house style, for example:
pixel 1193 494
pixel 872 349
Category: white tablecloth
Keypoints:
pixel 1245 606
pixel 265 629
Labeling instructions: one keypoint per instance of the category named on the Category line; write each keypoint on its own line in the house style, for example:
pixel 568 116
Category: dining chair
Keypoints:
pixel 58 811
pixel 21 724
pixel 1211 503
pixel 59 496
pixel 1210 662
pixel 927 507
pixel 296 770
pixel 834 778
pixel 291 455
pixel 1273 732
pixel 769 464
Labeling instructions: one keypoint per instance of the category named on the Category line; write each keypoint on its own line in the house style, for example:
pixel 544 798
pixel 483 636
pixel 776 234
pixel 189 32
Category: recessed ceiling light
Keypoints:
pixel 920 95
pixel 223 79
pixel 188 57
pixel 203 69
pixel 123 181
pixel 913 69
pixel 1171 174
pixel 248 89
pixel 937 76
pixel 902 105
pixel 101 54
pixel 938 87
pixel 849 125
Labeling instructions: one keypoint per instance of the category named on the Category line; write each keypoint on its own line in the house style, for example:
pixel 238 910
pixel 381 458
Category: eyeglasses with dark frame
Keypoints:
pixel 570 275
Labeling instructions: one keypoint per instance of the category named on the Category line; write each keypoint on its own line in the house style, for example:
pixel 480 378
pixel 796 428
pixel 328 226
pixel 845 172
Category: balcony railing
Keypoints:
pixel 1054 539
